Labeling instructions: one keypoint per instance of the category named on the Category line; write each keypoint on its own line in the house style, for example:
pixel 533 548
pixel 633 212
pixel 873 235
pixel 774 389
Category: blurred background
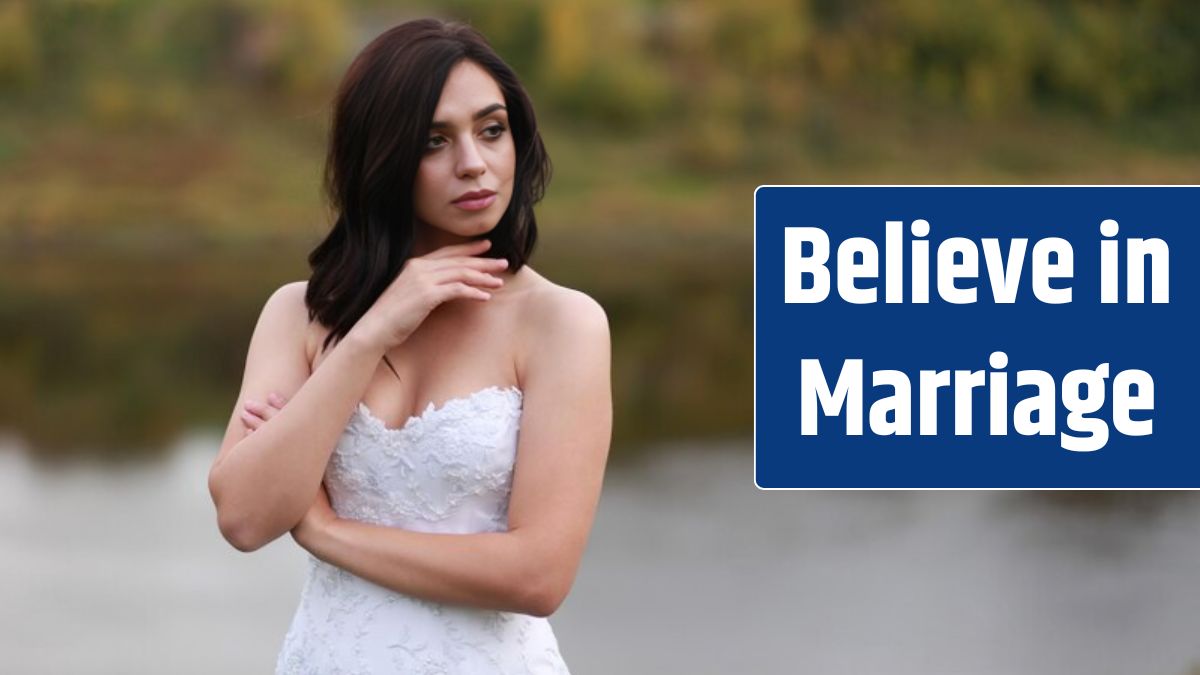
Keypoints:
pixel 159 177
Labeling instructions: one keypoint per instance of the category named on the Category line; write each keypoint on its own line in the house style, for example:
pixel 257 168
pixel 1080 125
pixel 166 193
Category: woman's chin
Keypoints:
pixel 476 225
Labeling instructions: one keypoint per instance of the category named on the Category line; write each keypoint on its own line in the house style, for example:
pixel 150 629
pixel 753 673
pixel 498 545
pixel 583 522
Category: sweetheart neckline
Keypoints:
pixel 432 408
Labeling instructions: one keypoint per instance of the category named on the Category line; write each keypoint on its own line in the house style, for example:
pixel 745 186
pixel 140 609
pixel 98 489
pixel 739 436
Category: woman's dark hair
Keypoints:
pixel 380 123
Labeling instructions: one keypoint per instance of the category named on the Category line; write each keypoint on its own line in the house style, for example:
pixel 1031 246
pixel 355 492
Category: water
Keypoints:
pixel 689 569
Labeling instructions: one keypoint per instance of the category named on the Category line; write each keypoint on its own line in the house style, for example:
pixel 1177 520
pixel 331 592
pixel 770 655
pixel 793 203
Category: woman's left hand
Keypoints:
pixel 320 514
pixel 255 414
pixel 316 520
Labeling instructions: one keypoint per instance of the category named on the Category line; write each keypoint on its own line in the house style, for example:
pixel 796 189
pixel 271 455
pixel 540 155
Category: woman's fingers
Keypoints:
pixel 472 262
pixel 424 282
pixel 263 410
pixel 255 414
pixel 458 289
pixel 468 276
pixel 250 420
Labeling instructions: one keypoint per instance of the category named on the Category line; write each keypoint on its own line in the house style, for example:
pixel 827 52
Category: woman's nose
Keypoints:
pixel 470 161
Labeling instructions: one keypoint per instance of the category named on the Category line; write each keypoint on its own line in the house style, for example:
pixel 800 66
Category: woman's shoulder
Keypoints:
pixel 289 300
pixel 548 304
pixel 564 332
pixel 555 316
pixel 287 304
pixel 293 291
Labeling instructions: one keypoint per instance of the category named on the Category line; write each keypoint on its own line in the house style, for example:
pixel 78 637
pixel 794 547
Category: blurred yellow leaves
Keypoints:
pixel 19 62
pixel 110 100
pixel 568 39
pixel 294 45
pixel 696 87
pixel 115 101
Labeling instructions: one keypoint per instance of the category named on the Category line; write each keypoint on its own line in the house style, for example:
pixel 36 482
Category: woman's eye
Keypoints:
pixel 435 142
pixel 494 131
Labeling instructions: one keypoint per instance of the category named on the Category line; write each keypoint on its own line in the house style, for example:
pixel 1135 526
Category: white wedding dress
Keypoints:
pixel 448 469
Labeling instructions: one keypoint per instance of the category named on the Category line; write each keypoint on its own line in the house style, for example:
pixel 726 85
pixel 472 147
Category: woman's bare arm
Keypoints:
pixel 263 483
pixel 562 449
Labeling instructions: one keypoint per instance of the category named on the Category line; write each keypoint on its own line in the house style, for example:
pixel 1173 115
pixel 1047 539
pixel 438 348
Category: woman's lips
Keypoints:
pixel 476 204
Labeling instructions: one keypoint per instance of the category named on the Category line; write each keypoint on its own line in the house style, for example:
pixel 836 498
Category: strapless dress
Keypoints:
pixel 448 470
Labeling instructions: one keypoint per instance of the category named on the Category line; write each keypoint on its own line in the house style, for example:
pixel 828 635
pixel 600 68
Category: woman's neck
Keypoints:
pixel 428 239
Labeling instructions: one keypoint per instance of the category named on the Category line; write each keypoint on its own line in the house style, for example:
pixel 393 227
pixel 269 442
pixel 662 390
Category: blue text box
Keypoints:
pixel 1156 338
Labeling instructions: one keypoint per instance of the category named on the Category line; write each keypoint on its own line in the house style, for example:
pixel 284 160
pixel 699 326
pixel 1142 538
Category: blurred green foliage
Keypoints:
pixel 79 50
pixel 628 63
pixel 160 164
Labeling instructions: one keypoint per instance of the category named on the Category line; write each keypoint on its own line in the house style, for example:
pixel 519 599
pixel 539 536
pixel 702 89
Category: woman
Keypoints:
pixel 379 413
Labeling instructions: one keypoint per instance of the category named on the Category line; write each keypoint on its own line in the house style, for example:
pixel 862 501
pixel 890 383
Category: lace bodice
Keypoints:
pixel 446 470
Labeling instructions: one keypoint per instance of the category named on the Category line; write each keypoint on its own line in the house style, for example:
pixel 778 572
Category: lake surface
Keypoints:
pixel 690 569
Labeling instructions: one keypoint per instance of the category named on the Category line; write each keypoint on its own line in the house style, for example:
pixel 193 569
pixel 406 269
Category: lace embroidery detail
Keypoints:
pixel 442 461
pixel 431 410
pixel 448 469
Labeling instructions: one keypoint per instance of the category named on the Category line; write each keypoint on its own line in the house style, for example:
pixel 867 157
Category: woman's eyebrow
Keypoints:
pixel 484 112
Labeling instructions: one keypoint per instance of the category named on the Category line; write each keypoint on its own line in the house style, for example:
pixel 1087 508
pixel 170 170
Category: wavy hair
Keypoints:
pixel 379 126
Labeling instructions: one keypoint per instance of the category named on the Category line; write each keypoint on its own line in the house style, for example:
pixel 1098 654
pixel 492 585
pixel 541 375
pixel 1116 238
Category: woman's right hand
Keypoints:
pixel 424 282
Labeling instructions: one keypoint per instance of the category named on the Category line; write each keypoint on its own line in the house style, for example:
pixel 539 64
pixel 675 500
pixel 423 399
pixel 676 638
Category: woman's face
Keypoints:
pixel 465 180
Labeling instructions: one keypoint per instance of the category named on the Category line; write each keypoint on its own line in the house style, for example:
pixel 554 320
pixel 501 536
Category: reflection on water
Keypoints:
pixel 135 350
pixel 690 569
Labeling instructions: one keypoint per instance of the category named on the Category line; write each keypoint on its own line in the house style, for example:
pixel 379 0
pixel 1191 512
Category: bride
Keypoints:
pixel 427 415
